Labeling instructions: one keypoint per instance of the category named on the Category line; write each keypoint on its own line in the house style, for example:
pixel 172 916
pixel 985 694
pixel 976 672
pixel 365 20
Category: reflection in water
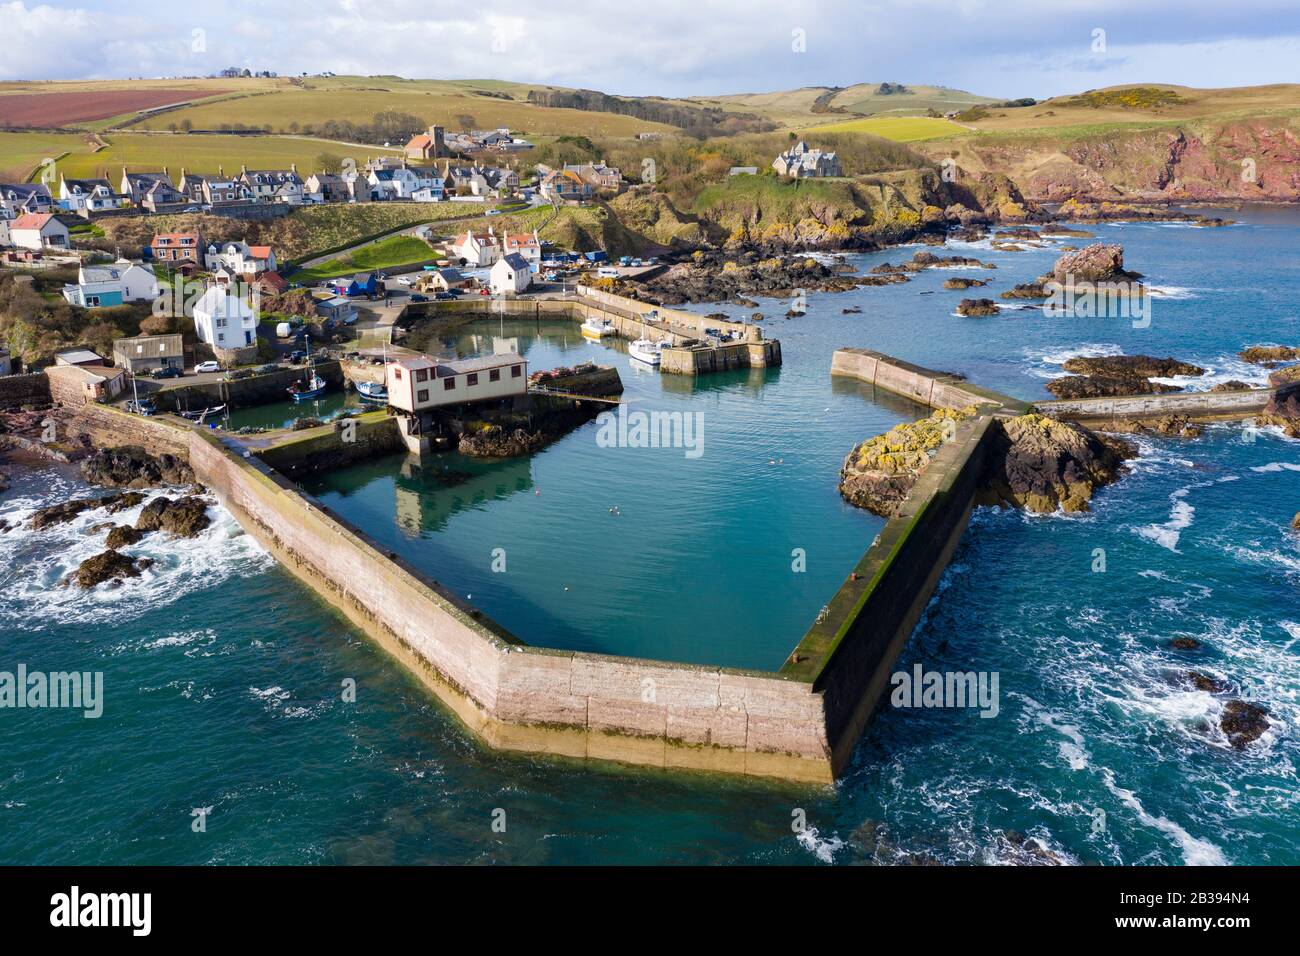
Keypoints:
pixel 430 492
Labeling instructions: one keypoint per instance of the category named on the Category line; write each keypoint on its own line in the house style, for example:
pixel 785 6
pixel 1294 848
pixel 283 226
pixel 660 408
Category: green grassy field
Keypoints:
pixel 21 153
pixel 384 254
pixel 901 129
pixel 445 106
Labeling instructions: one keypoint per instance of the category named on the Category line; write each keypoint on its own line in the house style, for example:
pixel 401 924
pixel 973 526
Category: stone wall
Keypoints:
pixel 513 696
pixel 335 445
pixel 243 392
pixel 107 426
pixel 850 654
pixel 1193 404
pixel 923 385
pixel 18 390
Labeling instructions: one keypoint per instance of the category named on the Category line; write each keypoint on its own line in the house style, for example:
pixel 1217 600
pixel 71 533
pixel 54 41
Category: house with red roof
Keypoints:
pixel 39 230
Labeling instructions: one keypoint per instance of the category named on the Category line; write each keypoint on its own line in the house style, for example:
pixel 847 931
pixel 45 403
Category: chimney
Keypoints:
pixel 293 168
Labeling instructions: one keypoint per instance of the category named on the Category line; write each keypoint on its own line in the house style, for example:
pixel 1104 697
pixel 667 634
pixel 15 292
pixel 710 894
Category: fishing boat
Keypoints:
pixel 372 391
pixel 596 329
pixel 646 351
pixel 312 385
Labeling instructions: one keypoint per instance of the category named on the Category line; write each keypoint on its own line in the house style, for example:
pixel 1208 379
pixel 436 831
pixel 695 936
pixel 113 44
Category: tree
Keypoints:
pixel 187 124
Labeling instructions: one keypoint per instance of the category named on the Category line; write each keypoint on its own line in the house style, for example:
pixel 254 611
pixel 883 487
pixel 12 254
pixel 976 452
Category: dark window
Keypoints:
pixel 516 371
pixel 471 379
pixel 422 395
pixel 448 383
pixel 422 375
pixel 494 375
pixel 397 373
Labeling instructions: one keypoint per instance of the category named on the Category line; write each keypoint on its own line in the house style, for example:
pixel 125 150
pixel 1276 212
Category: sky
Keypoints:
pixel 1000 48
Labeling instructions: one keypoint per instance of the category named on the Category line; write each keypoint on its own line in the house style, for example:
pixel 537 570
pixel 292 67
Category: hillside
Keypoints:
pixel 1142 143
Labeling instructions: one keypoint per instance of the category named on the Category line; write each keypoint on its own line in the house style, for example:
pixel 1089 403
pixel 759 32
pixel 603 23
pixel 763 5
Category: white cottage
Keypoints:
pixel 223 320
pixel 511 275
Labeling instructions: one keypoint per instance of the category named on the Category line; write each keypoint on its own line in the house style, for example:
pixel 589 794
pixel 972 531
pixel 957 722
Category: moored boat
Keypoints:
pixel 596 329
pixel 646 351
pixel 372 391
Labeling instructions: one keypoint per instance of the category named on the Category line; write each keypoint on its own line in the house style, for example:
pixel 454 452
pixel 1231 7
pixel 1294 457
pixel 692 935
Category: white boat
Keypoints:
pixel 647 351
pixel 597 329
pixel 372 391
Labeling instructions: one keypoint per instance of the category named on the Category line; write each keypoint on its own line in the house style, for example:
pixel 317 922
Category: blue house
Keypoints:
pixel 363 283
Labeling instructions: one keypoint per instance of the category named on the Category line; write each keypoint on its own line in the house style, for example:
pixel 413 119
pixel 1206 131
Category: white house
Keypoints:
pixel 801 162
pixel 123 281
pixel 39 230
pixel 511 275
pixel 223 320
pixel 527 246
pixel 239 258
pixel 88 195
pixel 418 382
pixel 477 249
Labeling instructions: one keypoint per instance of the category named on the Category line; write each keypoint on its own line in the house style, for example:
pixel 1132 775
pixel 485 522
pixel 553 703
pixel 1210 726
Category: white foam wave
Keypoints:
pixel 1196 852
pixel 1180 518
pixel 824 849
pixel 39 561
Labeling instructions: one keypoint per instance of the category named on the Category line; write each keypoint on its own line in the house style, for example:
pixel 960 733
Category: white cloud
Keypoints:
pixel 671 47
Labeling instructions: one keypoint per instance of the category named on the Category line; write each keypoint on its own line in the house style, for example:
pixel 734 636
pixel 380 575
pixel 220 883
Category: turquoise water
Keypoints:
pixel 223 675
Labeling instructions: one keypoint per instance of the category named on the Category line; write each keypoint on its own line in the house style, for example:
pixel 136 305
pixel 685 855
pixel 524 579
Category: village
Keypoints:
pixel 229 309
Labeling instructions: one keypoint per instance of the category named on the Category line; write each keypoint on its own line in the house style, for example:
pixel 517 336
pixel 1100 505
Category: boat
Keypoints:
pixel 201 414
pixel 372 391
pixel 596 329
pixel 312 386
pixel 647 351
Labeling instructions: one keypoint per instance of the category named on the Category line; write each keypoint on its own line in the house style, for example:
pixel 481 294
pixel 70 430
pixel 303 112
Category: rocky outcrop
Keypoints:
pixel 1108 375
pixel 1284 376
pixel 58 514
pixel 130 466
pixel 184 517
pixel 1141 366
pixel 1268 354
pixel 1026 290
pixel 108 566
pixel 964 283
pixel 121 536
pixel 711 278
pixel 1104 386
pixel 1283 410
pixel 1041 464
pixel 1170 426
pixel 1099 262
pixel 1234 385
pixel 879 473
pixel 977 307
pixel 1243 721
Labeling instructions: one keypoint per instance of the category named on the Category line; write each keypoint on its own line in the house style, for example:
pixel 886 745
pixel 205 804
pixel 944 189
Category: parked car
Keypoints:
pixel 298 356
pixel 416 297
pixel 208 366
pixel 167 371
pixel 443 296
pixel 403 280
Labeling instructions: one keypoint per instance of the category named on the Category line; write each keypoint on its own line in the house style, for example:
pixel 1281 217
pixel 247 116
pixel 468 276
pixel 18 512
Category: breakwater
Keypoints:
pixel 922 385
pixel 698 344
pixel 1198 405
